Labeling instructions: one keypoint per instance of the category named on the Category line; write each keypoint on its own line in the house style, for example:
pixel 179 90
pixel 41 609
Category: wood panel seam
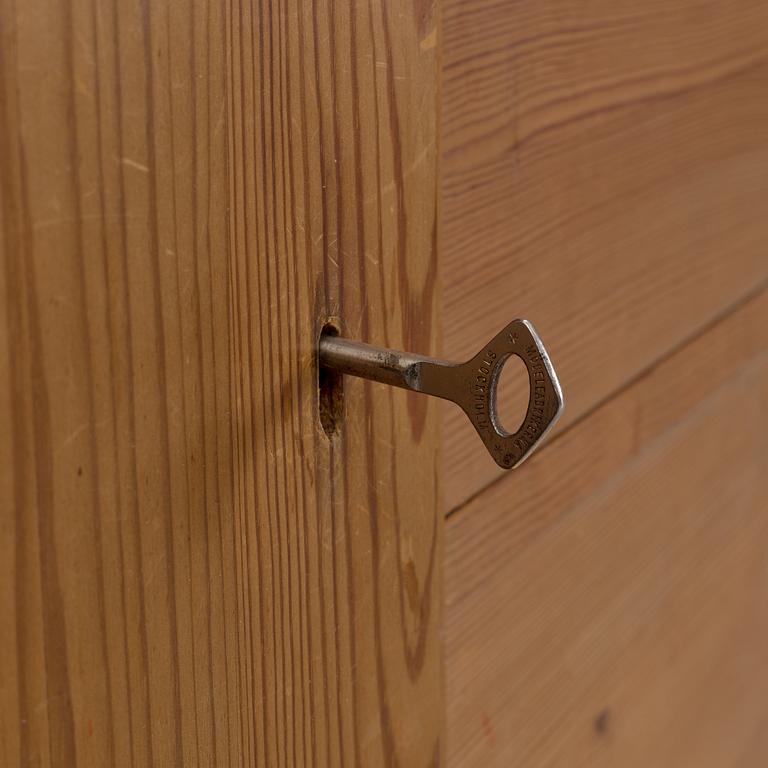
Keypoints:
pixel 752 295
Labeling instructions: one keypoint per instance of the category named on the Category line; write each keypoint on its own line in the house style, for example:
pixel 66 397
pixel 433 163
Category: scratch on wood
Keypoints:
pixel 133 164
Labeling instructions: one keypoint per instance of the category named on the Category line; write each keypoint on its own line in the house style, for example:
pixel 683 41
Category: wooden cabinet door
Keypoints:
pixel 192 572
pixel 209 558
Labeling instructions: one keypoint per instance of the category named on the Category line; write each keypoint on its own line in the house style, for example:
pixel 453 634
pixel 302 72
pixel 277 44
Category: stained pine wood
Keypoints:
pixel 604 172
pixel 606 604
pixel 191 572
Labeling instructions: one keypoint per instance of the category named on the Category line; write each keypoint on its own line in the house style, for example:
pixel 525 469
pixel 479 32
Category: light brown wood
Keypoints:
pixel 607 604
pixel 605 172
pixel 191 572
pixel 755 749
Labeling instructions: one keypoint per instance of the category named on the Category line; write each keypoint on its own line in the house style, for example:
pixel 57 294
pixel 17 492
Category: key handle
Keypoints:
pixel 472 385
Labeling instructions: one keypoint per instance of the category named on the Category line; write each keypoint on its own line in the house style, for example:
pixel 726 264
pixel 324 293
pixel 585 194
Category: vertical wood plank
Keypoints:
pixel 193 572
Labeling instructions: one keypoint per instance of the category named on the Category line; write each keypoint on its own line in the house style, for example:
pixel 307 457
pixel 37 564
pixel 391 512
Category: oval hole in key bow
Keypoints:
pixel 512 394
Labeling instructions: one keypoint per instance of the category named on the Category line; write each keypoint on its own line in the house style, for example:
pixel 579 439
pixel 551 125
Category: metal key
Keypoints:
pixel 471 385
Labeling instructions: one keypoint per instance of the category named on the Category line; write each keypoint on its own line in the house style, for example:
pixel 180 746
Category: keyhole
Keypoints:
pixel 331 392
pixel 512 394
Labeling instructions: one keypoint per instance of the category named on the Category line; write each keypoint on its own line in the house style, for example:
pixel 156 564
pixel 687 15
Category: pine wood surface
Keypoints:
pixel 191 573
pixel 607 603
pixel 604 174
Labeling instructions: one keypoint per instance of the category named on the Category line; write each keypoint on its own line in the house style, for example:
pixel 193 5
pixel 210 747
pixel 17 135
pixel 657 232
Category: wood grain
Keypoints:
pixel 607 603
pixel 604 172
pixel 191 572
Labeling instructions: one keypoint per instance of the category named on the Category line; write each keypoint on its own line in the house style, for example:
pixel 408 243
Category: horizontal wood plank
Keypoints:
pixel 608 603
pixel 604 175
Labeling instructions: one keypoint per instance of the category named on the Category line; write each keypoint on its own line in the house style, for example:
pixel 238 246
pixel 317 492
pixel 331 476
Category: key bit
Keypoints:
pixel 471 385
